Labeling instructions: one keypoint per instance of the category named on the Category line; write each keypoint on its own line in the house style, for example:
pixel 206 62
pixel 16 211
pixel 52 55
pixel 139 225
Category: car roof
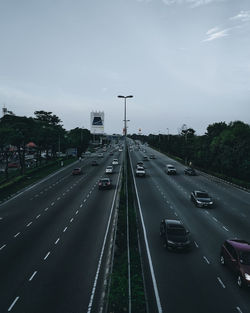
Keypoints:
pixel 203 191
pixel 170 165
pixel 240 245
pixel 173 223
pixel 104 179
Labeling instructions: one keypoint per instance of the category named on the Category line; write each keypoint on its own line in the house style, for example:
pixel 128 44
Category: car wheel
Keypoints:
pixel 240 281
pixel 222 260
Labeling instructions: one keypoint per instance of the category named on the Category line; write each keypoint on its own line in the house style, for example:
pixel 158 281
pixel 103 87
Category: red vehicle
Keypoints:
pixel 235 254
pixel 77 171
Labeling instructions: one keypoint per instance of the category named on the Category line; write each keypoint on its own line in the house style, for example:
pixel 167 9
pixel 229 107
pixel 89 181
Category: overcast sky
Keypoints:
pixel 184 61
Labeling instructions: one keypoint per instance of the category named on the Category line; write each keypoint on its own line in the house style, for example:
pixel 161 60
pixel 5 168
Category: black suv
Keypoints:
pixel 235 254
pixel 174 234
pixel 201 198
pixel 189 171
pixel 104 183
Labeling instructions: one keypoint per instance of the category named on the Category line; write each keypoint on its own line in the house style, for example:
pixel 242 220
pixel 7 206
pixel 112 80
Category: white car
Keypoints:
pixel 115 162
pixel 109 169
pixel 170 169
pixel 140 171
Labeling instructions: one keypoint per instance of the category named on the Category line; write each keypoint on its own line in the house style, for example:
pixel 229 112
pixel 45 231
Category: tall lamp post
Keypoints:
pixel 125 114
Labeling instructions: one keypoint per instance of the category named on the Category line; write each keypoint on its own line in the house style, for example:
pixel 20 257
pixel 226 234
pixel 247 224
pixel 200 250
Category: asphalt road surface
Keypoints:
pixel 193 281
pixel 51 238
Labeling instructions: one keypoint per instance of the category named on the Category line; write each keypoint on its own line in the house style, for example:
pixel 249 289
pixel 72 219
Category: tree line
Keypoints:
pixel 45 130
pixel 223 149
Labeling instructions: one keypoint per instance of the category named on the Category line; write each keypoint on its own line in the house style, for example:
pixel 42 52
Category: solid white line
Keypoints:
pixel 225 228
pixel 102 251
pixel 32 276
pixel 238 309
pixel 206 260
pixel 3 247
pixel 46 255
pixel 17 234
pixel 157 296
pixel 29 224
pixel 13 303
pixel 65 229
pixel 38 216
pixel 57 241
pixel 220 281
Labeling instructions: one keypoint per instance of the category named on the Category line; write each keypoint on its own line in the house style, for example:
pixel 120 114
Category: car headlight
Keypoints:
pixel 199 202
pixel 247 276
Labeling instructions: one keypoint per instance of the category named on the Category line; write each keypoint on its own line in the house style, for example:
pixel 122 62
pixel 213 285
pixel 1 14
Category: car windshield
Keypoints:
pixel 170 166
pixel 176 231
pixel 104 180
pixel 109 167
pixel 202 195
pixel 245 257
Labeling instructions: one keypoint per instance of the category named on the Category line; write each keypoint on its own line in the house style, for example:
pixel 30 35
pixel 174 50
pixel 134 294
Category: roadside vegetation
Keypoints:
pixel 118 293
pixel 223 151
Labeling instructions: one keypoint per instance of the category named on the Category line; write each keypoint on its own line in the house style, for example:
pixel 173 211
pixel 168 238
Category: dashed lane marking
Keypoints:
pixel 13 303
pixel 46 256
pixel 72 220
pixel 32 276
pixel 220 281
pixel 38 216
pixel 206 260
pixel 56 242
pixel 17 234
pixel 225 228
pixel 65 229
pixel 3 246
pixel 28 225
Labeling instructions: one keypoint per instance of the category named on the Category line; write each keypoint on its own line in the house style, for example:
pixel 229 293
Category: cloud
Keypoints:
pixel 193 3
pixel 214 33
pixel 243 16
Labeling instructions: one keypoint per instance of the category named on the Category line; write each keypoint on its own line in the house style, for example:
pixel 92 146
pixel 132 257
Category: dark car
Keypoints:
pixel 145 158
pixel 104 183
pixel 235 254
pixel 201 198
pixel 174 234
pixel 94 163
pixel 189 171
pixel 77 171
pixel 152 156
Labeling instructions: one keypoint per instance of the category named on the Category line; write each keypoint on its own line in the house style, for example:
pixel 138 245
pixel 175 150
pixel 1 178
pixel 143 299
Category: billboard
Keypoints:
pixel 97 122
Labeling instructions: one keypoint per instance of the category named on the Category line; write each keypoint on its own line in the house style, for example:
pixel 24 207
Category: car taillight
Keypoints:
pixel 100 184
pixel 108 183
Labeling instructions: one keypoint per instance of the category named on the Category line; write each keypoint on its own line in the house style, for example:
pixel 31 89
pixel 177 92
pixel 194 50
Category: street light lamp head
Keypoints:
pixel 125 96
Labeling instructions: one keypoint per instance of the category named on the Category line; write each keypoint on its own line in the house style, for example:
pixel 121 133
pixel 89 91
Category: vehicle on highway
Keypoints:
pixel 140 163
pixel 94 163
pixel 174 234
pixel 152 156
pixel 109 169
pixel 111 153
pixel 235 254
pixel 77 171
pixel 190 171
pixel 104 183
pixel 145 158
pixel 170 169
pixel 140 171
pixel 100 155
pixel 201 198
pixel 115 162
pixel 120 150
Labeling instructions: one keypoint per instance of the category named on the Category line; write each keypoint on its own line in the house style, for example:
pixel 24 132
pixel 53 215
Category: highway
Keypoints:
pixel 193 281
pixel 52 238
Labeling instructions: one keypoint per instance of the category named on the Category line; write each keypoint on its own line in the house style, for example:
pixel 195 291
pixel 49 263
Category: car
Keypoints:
pixel 140 171
pixel 104 183
pixel 100 155
pixel 201 198
pixel 235 254
pixel 115 162
pixel 189 171
pixel 94 163
pixel 170 169
pixel 77 171
pixel 145 158
pixel 152 156
pixel 140 163
pixel 120 150
pixel 109 169
pixel 174 234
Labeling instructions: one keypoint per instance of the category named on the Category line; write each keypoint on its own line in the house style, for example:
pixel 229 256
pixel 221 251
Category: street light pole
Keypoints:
pixel 125 114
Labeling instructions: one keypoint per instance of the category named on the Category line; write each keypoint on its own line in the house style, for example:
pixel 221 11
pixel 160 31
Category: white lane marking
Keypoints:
pixel 38 216
pixel 3 246
pixel 225 228
pixel 17 234
pixel 196 244
pixel 52 203
pixel 32 276
pixel 76 212
pixel 238 309
pixel 64 194
pixel 65 229
pixel 58 198
pixel 57 241
pixel 29 224
pixel 46 255
pixel 84 200
pixel 220 281
pixel 81 205
pixel 46 209
pixel 13 303
pixel 206 260
pixel 72 220
pixel 175 214
pixel 214 218
pixel 87 195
